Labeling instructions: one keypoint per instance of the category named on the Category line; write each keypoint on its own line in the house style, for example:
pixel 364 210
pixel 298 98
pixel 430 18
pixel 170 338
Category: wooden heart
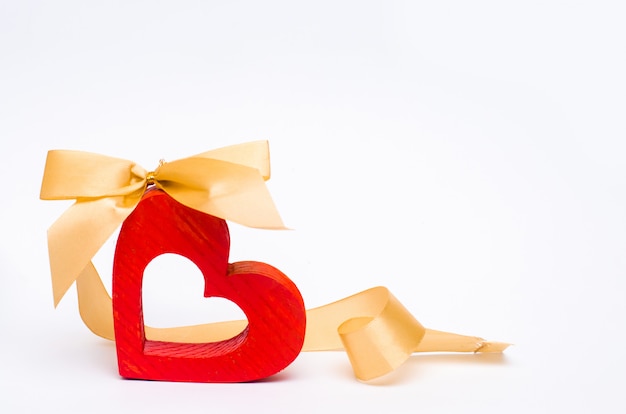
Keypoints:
pixel 270 300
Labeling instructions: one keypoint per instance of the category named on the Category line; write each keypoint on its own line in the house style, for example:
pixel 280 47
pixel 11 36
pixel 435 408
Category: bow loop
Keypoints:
pixel 222 188
pixel 76 174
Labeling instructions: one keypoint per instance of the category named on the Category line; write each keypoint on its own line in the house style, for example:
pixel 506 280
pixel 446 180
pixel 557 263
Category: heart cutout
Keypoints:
pixel 172 295
pixel 270 300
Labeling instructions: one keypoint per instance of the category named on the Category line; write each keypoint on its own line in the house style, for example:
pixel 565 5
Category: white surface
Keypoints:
pixel 468 155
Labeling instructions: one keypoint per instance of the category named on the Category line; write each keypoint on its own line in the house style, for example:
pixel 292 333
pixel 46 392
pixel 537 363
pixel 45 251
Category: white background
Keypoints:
pixel 467 155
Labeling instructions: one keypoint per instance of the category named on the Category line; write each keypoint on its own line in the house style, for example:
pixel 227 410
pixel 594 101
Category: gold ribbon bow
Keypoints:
pixel 227 183
pixel 373 327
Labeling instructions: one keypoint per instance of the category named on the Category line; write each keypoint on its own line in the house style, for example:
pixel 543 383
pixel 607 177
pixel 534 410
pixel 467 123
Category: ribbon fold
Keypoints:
pixel 372 326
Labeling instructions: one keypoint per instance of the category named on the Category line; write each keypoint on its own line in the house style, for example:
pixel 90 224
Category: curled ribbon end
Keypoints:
pixel 367 339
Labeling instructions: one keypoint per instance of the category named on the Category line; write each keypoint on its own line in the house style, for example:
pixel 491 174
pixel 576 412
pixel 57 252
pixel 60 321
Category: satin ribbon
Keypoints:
pixel 373 327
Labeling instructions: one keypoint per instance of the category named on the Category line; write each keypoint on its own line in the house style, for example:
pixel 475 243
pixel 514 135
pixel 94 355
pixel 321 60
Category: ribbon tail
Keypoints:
pixel 94 303
pixel 79 233
pixel 377 332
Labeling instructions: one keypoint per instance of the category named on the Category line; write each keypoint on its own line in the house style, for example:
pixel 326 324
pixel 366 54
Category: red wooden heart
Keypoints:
pixel 270 300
